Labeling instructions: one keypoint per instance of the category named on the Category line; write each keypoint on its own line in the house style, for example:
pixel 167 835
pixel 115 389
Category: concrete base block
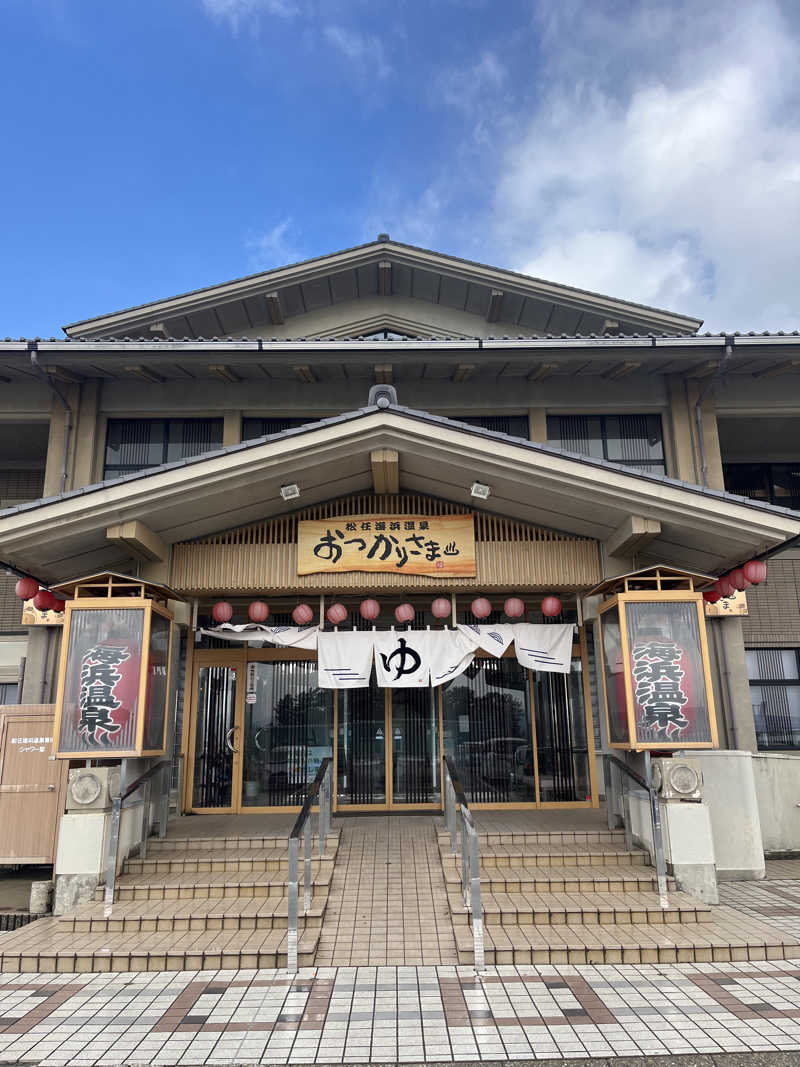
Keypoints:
pixel 699 879
pixel 729 793
pixel 72 890
pixel 41 896
pixel 688 845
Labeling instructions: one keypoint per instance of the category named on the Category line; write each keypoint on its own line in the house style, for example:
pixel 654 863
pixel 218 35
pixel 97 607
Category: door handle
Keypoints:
pixel 228 740
pixel 261 748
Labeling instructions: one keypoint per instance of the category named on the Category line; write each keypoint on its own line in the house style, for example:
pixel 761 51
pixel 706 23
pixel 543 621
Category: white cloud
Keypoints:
pixel 364 51
pixel 237 12
pixel 275 247
pixel 677 184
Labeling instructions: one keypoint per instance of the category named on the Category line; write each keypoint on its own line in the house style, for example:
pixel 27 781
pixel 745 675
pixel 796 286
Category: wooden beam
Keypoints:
pixel 275 309
pixel 778 368
pixel 610 328
pixel 147 374
pixel 304 373
pixel 703 370
pixel 223 372
pixel 495 302
pixel 544 370
pixel 383 373
pixel 61 374
pixel 139 540
pixel 385 278
pixel 385 470
pixel 620 370
pixel 632 535
pixel 463 372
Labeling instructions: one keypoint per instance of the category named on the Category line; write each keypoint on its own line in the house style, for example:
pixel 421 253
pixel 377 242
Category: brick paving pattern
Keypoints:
pixel 390 1014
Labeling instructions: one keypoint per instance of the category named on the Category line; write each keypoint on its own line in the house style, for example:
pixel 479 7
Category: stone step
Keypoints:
pixel 257 913
pixel 216 844
pixel 600 855
pixel 212 885
pixel 204 861
pixel 573 879
pixel 720 941
pixel 43 947
pixel 543 837
pixel 588 909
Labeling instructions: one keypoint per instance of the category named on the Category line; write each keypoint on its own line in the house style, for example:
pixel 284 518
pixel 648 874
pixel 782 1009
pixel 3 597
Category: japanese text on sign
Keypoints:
pixel 657 675
pixel 438 545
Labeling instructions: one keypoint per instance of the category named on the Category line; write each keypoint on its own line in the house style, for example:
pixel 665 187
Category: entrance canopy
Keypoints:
pixel 386 450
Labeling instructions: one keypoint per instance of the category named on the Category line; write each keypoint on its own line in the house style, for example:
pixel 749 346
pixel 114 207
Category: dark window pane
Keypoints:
pixel 776 711
pixel 192 437
pixel 747 479
pixel 786 485
pixel 132 444
pixel 514 425
pixel 634 440
pixel 263 427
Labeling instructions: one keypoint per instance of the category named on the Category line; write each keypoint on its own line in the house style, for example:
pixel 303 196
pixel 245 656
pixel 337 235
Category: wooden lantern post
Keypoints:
pixel 115 669
pixel 657 692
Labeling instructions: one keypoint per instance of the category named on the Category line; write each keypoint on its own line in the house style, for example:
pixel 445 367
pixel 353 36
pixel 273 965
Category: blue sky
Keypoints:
pixel 648 150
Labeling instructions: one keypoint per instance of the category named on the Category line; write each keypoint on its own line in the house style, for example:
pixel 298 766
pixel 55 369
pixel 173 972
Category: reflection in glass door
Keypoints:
pixel 361 749
pixel 415 746
pixel 212 783
pixel 561 742
pixel 287 732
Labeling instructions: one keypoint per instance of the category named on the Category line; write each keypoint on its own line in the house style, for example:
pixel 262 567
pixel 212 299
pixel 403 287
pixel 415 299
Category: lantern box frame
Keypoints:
pixel 115 591
pixel 654 585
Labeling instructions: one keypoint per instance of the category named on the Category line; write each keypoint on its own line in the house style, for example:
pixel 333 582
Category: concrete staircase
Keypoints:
pixel 192 904
pixel 581 897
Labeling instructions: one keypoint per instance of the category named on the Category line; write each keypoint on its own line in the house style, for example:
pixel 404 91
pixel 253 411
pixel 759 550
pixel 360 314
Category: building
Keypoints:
pixel 586 436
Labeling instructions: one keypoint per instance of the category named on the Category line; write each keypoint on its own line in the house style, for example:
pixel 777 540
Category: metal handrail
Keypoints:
pixel 321 787
pixel 458 819
pixel 645 783
pixel 117 802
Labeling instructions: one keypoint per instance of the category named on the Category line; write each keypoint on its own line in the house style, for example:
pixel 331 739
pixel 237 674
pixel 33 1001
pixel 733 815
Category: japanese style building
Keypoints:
pixel 396 426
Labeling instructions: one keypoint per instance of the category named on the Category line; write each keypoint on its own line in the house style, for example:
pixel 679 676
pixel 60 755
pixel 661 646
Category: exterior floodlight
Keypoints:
pixel 290 492
pixel 480 491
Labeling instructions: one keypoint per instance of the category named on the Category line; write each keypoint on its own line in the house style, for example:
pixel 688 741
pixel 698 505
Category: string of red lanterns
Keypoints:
pixel 43 599
pixel 369 609
pixel 740 578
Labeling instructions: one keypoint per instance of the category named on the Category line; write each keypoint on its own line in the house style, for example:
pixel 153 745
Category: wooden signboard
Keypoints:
pixel 728 606
pixel 436 545
pixel 31 616
pixel 32 784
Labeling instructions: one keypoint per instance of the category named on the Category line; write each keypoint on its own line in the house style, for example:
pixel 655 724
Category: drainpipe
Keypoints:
pixel 32 349
pixel 698 412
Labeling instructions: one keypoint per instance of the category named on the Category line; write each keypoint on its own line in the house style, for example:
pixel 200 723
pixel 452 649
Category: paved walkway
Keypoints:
pixel 387 903
pixel 386 1014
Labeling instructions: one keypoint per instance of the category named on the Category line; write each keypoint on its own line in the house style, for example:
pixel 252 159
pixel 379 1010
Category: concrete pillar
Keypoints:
pixel 681 463
pixel 41 665
pixel 231 428
pixel 729 792
pixel 86 435
pixel 710 434
pixel 734 688
pixel 537 425
pixel 55 443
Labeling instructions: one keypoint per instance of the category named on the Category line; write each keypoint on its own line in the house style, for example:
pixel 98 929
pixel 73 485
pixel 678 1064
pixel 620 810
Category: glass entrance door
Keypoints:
pixel 213 767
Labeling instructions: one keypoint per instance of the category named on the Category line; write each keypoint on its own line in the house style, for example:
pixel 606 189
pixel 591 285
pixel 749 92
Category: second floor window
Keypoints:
pixel 263 427
pixel 775 694
pixel 515 425
pixel 774 483
pixel 136 444
pixel 630 440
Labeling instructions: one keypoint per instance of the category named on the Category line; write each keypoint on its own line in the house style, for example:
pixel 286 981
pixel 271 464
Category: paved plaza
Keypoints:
pixel 412 1014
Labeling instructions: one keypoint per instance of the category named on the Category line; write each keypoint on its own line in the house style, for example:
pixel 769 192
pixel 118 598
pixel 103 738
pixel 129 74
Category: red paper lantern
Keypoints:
pixel 738 580
pixel 755 571
pixel 481 608
pixel 440 608
pixel 711 597
pixel 26 588
pixel 302 614
pixel 44 600
pixel 551 607
pixel 336 614
pixel 369 609
pixel 222 611
pixel 724 586
pixel 59 604
pixel 514 607
pixel 258 611
pixel 404 612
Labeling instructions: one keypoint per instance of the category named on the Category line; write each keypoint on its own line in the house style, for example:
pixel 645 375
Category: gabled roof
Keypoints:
pixel 383 285
pixel 698 529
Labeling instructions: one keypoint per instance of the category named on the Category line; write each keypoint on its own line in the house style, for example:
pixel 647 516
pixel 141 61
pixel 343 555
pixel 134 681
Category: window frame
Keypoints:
pixel 767 468
pixel 109 472
pixel 774 683
pixel 603 417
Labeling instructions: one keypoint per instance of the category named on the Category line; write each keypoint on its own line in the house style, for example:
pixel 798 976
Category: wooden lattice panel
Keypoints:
pixel 263 556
